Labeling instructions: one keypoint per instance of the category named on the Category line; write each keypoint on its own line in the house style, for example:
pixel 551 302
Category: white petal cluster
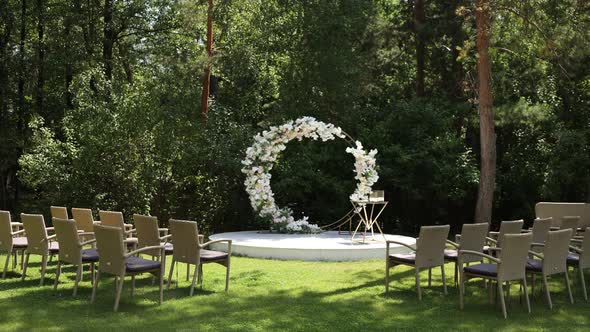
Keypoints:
pixel 365 169
pixel 265 151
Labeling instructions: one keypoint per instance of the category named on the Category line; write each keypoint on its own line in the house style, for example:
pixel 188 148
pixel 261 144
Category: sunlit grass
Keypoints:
pixel 280 295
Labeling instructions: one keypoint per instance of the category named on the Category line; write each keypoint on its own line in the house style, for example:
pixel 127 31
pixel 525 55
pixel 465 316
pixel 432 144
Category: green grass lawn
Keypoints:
pixel 280 295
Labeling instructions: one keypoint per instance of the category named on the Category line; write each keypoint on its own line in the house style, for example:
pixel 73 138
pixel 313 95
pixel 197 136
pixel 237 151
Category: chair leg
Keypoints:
pixel 461 290
pixel 57 274
pixel 200 277
pixel 569 288
pixel 491 291
pixel 581 271
pixel 187 271
pixel 6 266
pixel 78 277
pixel 94 286
pixel 386 279
pixel 132 285
pixel 546 286
pixel 444 281
pixel 25 267
pixel 429 277
pixel 418 284
pixel 162 273
pixel 92 272
pixel 526 295
pixel 119 290
pixel 43 268
pixel 227 275
pixel 195 278
pixel 170 274
pixel 508 291
pixel 533 285
pixel 501 295
pixel 456 274
pixel 15 254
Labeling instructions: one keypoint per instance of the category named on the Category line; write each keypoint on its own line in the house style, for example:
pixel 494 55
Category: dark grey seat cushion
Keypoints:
pixel 89 255
pixel 534 265
pixel 573 259
pixel 53 247
pixel 19 242
pixel 403 258
pixel 484 269
pixel 168 248
pixel 451 255
pixel 210 255
pixel 136 264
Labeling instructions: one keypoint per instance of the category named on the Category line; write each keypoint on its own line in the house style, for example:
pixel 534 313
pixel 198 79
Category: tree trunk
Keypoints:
pixel 108 40
pixel 69 71
pixel 207 76
pixel 39 93
pixel 487 178
pixel 419 18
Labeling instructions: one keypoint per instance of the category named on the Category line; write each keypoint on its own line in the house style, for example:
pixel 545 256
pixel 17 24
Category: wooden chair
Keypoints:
pixel 580 258
pixel 553 260
pixel 472 237
pixel 9 242
pixel 506 227
pixel 429 253
pixel 59 212
pixel 39 243
pixel 115 219
pixel 113 260
pixel 71 250
pixel 188 249
pixel 508 267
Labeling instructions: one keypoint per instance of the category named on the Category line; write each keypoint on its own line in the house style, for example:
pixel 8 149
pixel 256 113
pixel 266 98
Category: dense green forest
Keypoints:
pixel 100 105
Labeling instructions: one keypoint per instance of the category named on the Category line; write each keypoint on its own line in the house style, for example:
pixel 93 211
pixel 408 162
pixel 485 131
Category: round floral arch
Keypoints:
pixel 265 151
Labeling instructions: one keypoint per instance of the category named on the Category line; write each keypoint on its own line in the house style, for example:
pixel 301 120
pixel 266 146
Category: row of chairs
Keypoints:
pixel 511 254
pixel 117 247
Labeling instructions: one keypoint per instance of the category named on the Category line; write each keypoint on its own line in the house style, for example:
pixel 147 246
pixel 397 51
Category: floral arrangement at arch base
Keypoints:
pixel 266 150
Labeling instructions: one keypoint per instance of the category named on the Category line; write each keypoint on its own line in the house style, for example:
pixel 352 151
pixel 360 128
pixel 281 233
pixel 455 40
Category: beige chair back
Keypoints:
pixel 556 251
pixel 112 219
pixel 5 232
pixel 560 209
pixel 84 219
pixel 509 227
pixel 69 242
pixel 541 227
pixel 570 222
pixel 430 247
pixel 59 212
pixel 34 225
pixel 514 256
pixel 473 237
pixel 585 256
pixel 111 251
pixel 185 237
pixel 147 233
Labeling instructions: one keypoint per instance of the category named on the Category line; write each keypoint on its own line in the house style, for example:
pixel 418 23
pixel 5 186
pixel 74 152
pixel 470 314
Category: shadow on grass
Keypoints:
pixel 259 301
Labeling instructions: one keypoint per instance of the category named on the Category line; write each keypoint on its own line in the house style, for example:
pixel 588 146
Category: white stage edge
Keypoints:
pixel 326 246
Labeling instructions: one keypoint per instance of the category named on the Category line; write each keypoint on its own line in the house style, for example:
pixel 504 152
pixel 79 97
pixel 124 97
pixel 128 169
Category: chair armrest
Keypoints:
pixel 494 249
pixel 489 239
pixel 576 249
pixel 97 222
pixel 215 241
pixel 85 233
pixel 50 229
pixel 493 233
pixel 165 237
pixel 16 224
pixel 536 254
pixel 18 232
pixel 388 242
pixel 554 228
pixel 135 252
pixel 477 253
pixel 526 230
pixel 130 231
pixel 87 242
pixel 163 230
pixel 537 244
pixel 456 245
pixel 49 238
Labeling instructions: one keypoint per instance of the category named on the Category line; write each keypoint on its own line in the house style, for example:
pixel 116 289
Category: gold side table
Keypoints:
pixel 368 212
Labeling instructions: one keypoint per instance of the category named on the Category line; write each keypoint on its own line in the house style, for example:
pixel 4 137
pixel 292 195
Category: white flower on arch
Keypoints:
pixel 266 149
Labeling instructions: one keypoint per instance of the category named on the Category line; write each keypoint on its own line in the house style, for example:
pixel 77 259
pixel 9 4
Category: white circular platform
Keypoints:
pixel 326 246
